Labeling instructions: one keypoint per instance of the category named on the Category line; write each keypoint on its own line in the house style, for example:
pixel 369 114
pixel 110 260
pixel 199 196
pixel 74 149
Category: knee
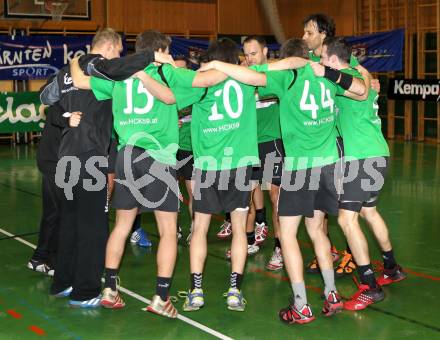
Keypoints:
pixel 369 214
pixel 346 221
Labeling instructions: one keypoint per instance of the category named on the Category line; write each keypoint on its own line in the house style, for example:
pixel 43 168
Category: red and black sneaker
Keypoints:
pixel 364 297
pixel 333 304
pixel 389 276
pixel 291 315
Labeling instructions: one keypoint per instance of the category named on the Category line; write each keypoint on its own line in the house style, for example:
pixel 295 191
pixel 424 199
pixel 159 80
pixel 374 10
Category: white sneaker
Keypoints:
pixel 261 231
pixel 252 249
pixel 276 261
pixel 225 230
pixel 188 238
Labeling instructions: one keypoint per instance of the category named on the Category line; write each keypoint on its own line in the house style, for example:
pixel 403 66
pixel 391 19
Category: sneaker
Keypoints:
pixel 346 266
pixel 136 236
pixel 65 293
pixel 335 254
pixel 92 303
pixel 225 230
pixel 235 300
pixel 140 237
pixel 252 250
pixel 291 314
pixel 364 297
pixel 276 261
pixel 144 241
pixel 111 299
pixel 188 238
pixel 389 276
pixel 194 299
pixel 260 233
pixel 333 304
pixel 40 267
pixel 313 267
pixel 179 233
pixel 160 307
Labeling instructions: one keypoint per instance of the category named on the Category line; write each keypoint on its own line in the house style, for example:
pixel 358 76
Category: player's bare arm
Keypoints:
pixel 242 74
pixel 159 91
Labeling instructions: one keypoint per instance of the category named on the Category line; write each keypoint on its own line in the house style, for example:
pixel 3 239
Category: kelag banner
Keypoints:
pixel 39 56
pixel 414 89
pixel 21 112
pixel 377 52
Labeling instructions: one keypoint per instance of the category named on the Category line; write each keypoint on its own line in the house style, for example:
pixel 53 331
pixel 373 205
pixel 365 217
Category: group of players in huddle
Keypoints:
pixel 305 127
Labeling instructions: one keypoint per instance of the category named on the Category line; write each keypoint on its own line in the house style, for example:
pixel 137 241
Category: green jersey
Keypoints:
pixel 353 60
pixel 360 125
pixel 185 129
pixel 223 124
pixel 268 119
pixel 307 116
pixel 140 119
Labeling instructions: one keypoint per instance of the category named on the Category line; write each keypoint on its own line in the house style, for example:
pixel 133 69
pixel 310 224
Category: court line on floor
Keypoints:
pixel 19 235
pixel 136 296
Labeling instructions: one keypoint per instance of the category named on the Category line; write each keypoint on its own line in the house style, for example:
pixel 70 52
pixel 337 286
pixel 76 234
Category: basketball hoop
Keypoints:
pixel 56 8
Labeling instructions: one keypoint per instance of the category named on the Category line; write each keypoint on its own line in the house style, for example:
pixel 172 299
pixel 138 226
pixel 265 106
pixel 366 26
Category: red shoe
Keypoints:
pixel 225 230
pixel 261 231
pixel 333 304
pixel 291 315
pixel 111 299
pixel 364 297
pixel 389 276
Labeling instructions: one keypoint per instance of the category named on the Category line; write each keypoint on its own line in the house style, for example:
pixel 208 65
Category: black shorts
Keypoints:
pixel 156 186
pixel 185 169
pixel 112 152
pixel 304 191
pixel 226 190
pixel 271 162
pixel 362 182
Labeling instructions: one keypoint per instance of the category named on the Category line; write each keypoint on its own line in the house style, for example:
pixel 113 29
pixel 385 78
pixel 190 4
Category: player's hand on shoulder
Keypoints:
pixel 164 58
pixel 318 69
pixel 207 66
pixel 375 85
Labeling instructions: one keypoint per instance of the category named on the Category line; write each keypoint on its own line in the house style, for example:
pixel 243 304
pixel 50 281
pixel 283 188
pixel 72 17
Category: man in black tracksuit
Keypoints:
pixel 43 258
pixel 84 220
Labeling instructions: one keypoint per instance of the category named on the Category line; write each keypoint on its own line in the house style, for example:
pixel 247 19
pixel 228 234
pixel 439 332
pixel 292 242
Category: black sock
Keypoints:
pixel 236 280
pixel 277 243
pixel 110 278
pixel 196 280
pixel 366 275
pixel 347 249
pixel 228 217
pixel 162 287
pixel 250 237
pixel 136 223
pixel 260 216
pixel 389 262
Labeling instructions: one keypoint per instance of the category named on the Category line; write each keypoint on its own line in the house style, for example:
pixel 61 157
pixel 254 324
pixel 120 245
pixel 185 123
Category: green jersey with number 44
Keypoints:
pixel 307 116
pixel 360 125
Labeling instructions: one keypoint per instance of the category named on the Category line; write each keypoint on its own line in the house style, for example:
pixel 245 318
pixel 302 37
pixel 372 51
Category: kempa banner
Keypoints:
pixel 414 89
pixel 21 112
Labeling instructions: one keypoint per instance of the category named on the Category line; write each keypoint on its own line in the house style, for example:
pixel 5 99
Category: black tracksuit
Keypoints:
pixel 47 158
pixel 84 219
